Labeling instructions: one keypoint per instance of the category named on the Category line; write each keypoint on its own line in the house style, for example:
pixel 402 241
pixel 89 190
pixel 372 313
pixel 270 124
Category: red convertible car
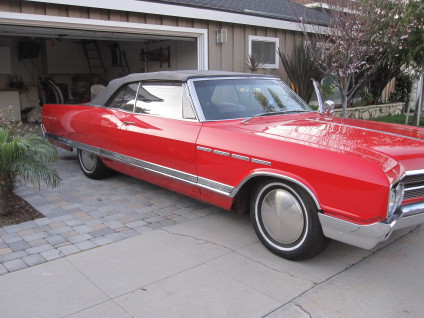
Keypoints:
pixel 246 142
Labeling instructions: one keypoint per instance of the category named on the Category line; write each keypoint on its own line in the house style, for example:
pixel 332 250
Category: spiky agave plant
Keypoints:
pixel 254 64
pixel 300 70
pixel 24 157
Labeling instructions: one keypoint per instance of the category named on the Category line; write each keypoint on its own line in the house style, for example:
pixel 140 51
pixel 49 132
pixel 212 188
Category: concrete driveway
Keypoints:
pixel 213 266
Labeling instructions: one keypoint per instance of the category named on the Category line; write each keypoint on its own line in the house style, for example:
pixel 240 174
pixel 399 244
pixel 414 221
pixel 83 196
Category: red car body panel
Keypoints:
pixel 167 142
pixel 326 154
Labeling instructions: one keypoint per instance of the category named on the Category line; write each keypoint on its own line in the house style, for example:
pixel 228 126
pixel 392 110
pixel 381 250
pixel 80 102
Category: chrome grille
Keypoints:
pixel 414 186
pixel 413 179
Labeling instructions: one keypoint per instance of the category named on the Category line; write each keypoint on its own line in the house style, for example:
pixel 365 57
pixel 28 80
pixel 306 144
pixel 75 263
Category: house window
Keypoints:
pixel 265 50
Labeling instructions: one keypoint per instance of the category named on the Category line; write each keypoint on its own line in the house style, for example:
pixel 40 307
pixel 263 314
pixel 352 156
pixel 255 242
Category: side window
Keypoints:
pixel 160 100
pixel 124 98
pixel 188 112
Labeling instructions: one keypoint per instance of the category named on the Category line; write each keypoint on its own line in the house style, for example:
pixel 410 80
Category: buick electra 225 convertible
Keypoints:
pixel 247 143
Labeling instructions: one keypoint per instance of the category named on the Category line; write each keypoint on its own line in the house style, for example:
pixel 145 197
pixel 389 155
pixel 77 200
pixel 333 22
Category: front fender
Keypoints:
pixel 284 175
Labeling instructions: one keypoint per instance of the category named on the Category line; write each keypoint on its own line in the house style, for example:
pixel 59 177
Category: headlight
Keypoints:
pixel 395 198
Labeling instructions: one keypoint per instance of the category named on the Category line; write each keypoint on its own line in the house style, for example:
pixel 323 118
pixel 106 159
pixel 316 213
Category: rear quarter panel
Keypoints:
pixel 94 126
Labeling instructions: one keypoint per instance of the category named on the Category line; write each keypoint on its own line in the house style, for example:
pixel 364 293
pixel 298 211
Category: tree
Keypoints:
pixel 412 55
pixel 359 37
pixel 411 52
pixel 25 157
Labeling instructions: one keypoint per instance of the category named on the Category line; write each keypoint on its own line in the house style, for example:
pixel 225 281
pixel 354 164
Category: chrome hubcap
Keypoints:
pixel 88 160
pixel 282 216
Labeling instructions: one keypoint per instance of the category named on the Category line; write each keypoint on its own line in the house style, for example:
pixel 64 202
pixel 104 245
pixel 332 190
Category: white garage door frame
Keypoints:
pixel 56 22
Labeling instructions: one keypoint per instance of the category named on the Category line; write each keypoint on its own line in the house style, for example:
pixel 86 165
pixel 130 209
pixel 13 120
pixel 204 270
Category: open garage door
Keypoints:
pixel 61 61
pixel 74 60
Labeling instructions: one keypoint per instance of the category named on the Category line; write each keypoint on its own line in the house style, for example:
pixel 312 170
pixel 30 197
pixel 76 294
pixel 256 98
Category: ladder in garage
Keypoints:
pixel 94 58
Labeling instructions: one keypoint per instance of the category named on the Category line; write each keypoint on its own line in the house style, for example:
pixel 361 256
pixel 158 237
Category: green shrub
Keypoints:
pixel 25 157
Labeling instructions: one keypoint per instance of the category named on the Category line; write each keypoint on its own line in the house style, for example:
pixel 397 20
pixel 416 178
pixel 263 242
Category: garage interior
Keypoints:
pixel 46 65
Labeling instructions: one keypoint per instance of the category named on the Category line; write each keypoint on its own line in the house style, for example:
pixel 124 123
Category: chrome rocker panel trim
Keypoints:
pixel 368 236
pixel 208 184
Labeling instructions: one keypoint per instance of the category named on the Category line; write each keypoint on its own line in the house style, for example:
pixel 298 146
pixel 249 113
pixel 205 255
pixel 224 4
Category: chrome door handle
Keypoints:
pixel 127 123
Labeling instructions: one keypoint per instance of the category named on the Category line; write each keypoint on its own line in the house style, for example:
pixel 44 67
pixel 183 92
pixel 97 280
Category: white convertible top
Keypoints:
pixel 164 76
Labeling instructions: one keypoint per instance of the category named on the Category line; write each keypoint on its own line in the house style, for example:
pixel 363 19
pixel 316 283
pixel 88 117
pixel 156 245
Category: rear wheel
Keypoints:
pixel 92 166
pixel 285 220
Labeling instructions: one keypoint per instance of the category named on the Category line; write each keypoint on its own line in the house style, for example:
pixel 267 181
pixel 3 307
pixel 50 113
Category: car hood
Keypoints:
pixel 386 144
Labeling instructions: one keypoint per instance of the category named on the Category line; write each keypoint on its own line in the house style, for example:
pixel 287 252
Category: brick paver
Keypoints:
pixel 83 214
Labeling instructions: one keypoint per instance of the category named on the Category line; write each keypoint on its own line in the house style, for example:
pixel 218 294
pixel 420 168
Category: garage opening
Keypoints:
pixel 49 65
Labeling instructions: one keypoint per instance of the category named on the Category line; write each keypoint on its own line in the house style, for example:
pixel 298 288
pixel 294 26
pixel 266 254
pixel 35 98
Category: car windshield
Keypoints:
pixel 233 98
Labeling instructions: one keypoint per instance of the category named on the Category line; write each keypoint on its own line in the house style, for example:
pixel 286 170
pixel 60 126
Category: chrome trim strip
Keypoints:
pixel 414 188
pixel 86 147
pixel 151 167
pixel 414 172
pixel 54 137
pixel 204 149
pixel 215 186
pixel 186 177
pixel 222 153
pixel 145 165
pixel 262 162
pixel 235 156
pixel 279 176
pixel 240 157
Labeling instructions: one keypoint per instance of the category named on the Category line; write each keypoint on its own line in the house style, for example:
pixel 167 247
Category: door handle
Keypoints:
pixel 127 123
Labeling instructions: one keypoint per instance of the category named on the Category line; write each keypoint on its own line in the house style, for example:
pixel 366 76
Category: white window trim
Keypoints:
pixel 201 35
pixel 252 38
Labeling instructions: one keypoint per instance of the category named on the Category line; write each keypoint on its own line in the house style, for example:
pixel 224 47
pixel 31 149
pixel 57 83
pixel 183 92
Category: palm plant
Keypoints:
pixel 24 157
pixel 301 70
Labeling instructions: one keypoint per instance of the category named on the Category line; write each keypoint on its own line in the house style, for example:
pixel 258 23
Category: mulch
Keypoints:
pixel 18 211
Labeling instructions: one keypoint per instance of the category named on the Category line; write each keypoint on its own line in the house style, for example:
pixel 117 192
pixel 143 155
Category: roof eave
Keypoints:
pixel 257 19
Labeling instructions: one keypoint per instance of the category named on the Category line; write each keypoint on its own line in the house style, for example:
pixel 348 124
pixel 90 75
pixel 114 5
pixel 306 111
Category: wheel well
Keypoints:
pixel 241 202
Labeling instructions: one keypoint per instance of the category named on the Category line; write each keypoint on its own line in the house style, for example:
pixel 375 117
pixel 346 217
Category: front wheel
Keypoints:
pixel 92 166
pixel 285 220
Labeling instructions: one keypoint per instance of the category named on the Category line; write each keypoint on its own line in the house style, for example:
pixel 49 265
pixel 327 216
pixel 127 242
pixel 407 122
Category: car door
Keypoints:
pixel 160 134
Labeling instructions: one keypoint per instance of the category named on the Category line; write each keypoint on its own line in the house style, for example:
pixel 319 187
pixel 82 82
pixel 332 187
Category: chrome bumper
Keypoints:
pixel 367 236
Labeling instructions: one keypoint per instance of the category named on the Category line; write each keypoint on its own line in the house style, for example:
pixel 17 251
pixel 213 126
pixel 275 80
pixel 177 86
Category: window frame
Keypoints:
pixel 276 41
pixel 187 106
pixel 108 104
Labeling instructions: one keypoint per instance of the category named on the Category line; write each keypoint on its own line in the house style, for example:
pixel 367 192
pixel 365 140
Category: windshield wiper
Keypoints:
pixel 281 112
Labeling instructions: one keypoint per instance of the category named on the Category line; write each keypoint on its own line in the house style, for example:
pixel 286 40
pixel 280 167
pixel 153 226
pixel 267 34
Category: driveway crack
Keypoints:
pixel 199 240
pixel 303 309
pixel 292 301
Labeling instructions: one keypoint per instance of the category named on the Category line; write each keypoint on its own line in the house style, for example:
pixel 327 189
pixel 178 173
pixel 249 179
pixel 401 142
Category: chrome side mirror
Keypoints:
pixel 319 95
pixel 328 107
pixel 323 108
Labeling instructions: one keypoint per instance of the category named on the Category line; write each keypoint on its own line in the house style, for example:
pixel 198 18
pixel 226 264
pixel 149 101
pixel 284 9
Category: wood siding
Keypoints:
pixel 230 56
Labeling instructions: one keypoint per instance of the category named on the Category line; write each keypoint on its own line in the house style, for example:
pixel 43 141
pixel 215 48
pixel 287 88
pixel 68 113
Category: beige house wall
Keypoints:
pixel 230 56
